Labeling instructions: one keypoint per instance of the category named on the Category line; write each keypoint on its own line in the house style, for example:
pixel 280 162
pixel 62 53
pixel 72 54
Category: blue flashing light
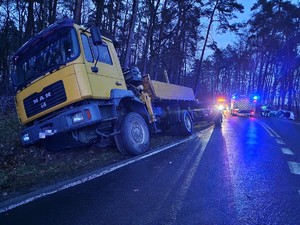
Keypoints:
pixel 255 97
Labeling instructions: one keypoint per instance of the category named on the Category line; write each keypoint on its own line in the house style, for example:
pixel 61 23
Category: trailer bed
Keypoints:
pixel 165 91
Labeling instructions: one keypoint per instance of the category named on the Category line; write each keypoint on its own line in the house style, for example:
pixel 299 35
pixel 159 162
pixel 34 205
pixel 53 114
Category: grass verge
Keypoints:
pixel 23 170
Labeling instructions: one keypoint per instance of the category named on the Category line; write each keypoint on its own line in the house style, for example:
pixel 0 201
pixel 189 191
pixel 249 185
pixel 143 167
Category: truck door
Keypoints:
pixel 106 74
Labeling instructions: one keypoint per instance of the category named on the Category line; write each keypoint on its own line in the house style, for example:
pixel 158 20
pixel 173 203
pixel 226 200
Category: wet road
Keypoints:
pixel 247 172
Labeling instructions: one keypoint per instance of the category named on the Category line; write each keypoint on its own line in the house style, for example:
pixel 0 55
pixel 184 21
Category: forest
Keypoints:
pixel 176 38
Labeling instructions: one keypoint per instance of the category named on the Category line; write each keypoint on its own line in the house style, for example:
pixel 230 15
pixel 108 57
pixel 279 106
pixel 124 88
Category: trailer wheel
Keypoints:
pixel 134 137
pixel 185 126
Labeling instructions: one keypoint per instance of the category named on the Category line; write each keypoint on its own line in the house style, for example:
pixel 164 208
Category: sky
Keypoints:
pixel 225 39
pixel 228 38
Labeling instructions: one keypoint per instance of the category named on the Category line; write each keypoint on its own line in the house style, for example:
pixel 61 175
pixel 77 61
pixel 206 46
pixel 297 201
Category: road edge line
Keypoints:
pixel 72 182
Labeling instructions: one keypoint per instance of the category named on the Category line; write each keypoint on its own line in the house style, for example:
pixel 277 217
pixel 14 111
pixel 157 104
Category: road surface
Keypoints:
pixel 246 172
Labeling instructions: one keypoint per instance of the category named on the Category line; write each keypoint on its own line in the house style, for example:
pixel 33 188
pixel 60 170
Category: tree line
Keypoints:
pixel 173 37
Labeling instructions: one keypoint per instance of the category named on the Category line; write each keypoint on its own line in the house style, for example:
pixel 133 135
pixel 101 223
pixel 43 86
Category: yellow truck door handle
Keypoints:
pixel 118 83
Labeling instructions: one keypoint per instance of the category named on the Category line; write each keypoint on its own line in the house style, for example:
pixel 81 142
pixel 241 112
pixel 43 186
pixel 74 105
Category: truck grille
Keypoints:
pixel 50 96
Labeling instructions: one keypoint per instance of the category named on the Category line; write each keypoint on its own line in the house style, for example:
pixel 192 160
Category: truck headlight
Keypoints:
pixel 78 117
pixel 25 137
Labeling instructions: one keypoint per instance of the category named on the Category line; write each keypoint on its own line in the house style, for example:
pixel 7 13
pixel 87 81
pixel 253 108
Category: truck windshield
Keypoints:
pixel 45 55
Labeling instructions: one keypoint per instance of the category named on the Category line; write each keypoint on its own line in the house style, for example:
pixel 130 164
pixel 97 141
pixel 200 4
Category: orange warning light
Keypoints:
pixel 221 100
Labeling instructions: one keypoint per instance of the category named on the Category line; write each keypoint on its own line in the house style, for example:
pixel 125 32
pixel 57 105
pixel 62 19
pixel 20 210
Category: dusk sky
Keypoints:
pixel 224 39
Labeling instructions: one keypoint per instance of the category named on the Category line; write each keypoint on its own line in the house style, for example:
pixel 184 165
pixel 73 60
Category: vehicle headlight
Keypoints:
pixel 78 117
pixel 221 107
pixel 25 137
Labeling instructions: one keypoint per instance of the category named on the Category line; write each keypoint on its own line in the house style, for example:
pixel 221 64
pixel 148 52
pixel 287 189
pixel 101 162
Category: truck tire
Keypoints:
pixel 134 137
pixel 185 125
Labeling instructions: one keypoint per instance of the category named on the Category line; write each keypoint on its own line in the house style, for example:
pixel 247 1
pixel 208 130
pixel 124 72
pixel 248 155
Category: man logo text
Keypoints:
pixel 41 98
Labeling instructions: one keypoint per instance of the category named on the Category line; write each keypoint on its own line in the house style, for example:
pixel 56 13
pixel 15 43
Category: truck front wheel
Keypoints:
pixel 134 137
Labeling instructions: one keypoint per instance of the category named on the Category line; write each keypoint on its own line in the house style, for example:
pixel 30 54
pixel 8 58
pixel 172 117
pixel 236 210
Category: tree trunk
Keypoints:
pixel 99 12
pixel 4 66
pixel 52 11
pixel 290 90
pixel 77 11
pixel 116 12
pixel 30 20
pixel 131 32
pixel 204 46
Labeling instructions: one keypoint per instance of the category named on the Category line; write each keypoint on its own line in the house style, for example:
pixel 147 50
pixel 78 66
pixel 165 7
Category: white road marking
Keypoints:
pixel 294 167
pixel 287 151
pixel 271 132
pixel 274 132
pixel 279 141
pixel 88 177
pixel 266 128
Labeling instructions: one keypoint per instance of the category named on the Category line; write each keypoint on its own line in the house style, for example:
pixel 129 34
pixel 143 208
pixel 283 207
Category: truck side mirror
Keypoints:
pixel 96 35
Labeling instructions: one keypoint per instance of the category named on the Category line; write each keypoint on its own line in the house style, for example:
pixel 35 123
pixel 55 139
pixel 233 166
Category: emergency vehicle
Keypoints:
pixel 243 105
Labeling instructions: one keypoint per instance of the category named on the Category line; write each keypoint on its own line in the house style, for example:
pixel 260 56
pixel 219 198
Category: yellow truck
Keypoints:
pixel 71 91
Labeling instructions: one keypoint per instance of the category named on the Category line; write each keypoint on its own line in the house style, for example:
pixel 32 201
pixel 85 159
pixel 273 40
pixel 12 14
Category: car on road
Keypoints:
pixel 282 114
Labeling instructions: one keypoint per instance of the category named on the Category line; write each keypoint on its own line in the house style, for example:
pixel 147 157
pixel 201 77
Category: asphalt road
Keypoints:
pixel 246 172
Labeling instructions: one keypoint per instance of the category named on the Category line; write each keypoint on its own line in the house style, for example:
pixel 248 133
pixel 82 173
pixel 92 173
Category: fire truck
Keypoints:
pixel 243 105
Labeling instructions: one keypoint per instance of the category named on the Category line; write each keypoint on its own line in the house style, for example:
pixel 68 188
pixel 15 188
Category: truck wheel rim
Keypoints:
pixel 187 122
pixel 137 133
